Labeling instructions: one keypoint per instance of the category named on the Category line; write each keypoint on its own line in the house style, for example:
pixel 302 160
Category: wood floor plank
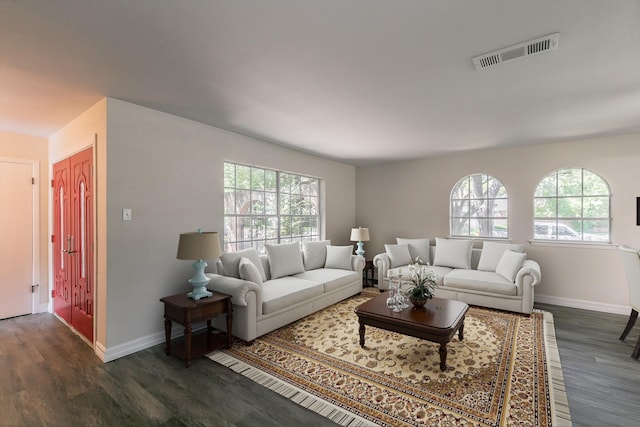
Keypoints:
pixel 600 377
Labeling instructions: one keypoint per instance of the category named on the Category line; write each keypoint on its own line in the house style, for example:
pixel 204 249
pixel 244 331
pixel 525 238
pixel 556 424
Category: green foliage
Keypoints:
pixel 279 206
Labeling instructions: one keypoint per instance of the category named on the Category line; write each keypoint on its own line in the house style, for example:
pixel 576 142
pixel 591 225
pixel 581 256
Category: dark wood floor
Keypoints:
pixel 601 378
pixel 49 376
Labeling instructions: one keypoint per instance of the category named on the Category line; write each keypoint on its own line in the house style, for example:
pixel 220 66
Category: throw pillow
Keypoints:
pixel 315 254
pixel 509 264
pixel 492 252
pixel 417 248
pixel 399 255
pixel 453 253
pixel 285 259
pixel 249 271
pixel 231 261
pixel 339 257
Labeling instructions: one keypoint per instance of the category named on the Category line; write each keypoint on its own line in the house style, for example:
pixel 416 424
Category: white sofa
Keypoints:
pixel 288 283
pixel 496 276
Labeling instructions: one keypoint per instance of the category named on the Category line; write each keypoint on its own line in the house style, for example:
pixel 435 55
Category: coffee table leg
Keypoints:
pixel 461 332
pixel 443 357
pixel 361 334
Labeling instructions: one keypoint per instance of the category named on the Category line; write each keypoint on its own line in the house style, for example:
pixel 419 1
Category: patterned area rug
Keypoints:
pixel 500 374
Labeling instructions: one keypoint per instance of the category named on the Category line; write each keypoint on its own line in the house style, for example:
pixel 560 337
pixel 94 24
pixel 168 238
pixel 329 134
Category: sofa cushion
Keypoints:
pixel 453 253
pixel 285 259
pixel 284 292
pixel 249 271
pixel 398 254
pixel 440 272
pixel 231 261
pixel 314 254
pixel 492 252
pixel 509 264
pixel 418 248
pixel 339 257
pixel 481 281
pixel 331 278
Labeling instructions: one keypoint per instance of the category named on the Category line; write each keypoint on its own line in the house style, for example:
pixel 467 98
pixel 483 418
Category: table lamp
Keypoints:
pixel 199 246
pixel 360 235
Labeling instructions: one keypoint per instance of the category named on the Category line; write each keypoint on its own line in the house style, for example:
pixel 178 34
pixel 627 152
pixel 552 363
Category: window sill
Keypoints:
pixel 570 244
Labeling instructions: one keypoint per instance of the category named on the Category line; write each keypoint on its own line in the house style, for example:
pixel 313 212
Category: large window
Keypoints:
pixel 479 207
pixel 265 206
pixel 572 204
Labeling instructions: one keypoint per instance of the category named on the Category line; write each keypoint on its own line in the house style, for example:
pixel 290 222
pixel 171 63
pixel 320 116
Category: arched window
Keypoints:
pixel 572 205
pixel 479 207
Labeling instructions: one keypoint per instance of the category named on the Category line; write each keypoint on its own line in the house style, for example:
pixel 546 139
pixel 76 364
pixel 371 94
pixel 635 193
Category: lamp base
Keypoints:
pixel 199 281
pixel 199 292
pixel 360 250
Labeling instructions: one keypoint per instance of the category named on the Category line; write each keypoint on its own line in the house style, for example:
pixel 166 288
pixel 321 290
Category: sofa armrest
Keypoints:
pixel 529 273
pixel 357 263
pixel 382 263
pixel 237 288
pixel 528 276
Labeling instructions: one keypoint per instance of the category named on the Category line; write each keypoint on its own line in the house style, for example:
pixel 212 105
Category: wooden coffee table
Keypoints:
pixel 437 321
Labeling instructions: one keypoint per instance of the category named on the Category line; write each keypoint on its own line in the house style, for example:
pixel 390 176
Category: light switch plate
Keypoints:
pixel 126 214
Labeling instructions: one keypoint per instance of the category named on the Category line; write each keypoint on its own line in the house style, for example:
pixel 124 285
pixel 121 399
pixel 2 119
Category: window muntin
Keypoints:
pixel 572 204
pixel 479 207
pixel 263 206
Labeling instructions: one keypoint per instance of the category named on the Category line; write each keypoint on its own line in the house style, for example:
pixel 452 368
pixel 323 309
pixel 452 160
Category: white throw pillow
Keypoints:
pixel 249 271
pixel 339 257
pixel 315 254
pixel 492 253
pixel 509 264
pixel 231 261
pixel 453 253
pixel 399 255
pixel 285 259
pixel 417 248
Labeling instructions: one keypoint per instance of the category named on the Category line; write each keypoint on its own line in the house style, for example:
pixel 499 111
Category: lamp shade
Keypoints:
pixel 359 234
pixel 199 245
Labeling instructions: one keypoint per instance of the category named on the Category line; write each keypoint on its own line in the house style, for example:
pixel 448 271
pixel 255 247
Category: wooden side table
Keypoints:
pixel 369 274
pixel 186 311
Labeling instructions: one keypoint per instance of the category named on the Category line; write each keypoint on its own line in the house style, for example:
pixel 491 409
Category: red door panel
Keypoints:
pixel 61 241
pixel 73 241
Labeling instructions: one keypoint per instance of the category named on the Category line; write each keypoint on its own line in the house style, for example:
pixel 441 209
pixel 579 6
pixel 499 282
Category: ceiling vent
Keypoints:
pixel 522 50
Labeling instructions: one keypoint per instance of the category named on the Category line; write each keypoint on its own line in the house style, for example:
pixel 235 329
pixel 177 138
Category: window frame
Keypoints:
pixel 268 197
pixel 559 221
pixel 470 216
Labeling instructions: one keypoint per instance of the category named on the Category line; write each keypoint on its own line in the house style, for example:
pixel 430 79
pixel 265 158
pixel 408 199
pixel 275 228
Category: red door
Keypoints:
pixel 61 240
pixel 73 241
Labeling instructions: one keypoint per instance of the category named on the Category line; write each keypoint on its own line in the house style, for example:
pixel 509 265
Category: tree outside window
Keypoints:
pixel 263 206
pixel 479 207
pixel 572 205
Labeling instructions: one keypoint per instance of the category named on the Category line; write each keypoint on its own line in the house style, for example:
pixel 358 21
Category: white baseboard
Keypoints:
pixel 139 344
pixel 125 349
pixel 583 304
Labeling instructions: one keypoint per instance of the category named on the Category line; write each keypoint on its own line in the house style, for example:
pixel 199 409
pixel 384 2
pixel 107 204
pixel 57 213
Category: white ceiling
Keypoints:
pixel 361 81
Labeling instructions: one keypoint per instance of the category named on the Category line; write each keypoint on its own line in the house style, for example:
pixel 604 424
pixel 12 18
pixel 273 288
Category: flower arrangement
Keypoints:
pixel 422 281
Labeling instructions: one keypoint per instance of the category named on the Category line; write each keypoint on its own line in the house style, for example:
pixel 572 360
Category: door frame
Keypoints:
pixel 35 217
pixel 83 144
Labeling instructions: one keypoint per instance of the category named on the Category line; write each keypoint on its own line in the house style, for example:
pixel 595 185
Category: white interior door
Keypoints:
pixel 16 238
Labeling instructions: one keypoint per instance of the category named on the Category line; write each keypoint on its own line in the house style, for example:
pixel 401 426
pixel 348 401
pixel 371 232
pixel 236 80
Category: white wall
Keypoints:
pixel 169 171
pixel 411 199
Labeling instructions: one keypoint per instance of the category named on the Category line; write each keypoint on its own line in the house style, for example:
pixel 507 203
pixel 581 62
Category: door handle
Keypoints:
pixel 69 249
